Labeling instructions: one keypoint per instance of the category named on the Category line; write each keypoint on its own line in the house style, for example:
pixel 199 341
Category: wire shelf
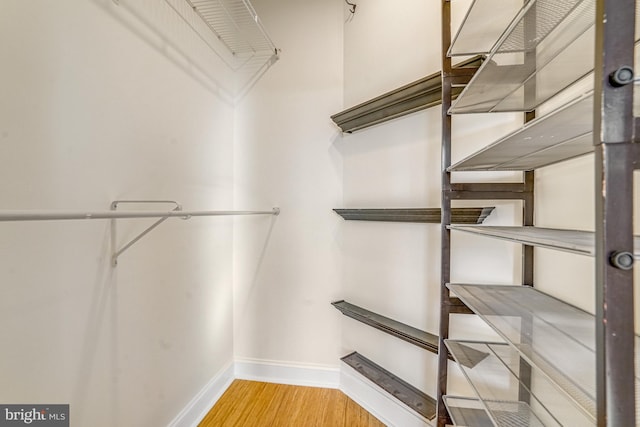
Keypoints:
pixel 497 387
pixel 419 215
pixel 560 135
pixel 547 47
pixel 559 340
pixel 483 24
pixel 237 26
pixel 573 241
pixel 466 411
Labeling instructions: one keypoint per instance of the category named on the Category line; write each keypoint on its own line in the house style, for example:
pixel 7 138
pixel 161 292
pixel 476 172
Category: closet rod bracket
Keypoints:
pixel 114 206
pixel 162 216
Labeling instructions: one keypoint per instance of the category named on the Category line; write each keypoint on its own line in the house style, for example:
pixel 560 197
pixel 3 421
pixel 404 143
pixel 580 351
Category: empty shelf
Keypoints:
pixel 416 96
pixel 574 241
pixel 547 393
pixel 482 26
pixel 397 329
pixel 557 136
pixel 236 25
pixel 553 336
pixel 494 385
pixel 549 46
pixel 408 333
pixel 401 390
pixel 425 215
pixel 465 411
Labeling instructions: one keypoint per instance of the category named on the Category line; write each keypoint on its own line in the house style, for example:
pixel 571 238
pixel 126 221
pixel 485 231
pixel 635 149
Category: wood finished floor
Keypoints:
pixel 257 404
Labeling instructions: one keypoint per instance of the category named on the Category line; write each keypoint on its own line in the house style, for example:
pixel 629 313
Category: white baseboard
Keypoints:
pixel 200 405
pixel 287 373
pixel 365 393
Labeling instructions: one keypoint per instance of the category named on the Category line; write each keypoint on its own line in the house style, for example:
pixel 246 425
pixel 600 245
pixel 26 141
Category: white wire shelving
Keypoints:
pixel 237 26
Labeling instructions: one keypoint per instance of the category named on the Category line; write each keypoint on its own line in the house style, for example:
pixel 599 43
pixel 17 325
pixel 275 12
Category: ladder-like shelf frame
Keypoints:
pixel 614 133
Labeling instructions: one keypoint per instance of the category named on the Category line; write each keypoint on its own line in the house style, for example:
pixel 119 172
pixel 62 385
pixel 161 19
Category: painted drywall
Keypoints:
pixel 288 269
pixel 105 100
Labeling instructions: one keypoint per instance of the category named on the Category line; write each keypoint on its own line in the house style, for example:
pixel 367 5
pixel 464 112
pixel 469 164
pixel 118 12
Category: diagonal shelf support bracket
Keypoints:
pixel 114 206
pixel 177 212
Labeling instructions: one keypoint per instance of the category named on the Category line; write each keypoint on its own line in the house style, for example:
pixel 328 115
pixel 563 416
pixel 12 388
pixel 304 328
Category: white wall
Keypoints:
pixel 96 106
pixel 288 270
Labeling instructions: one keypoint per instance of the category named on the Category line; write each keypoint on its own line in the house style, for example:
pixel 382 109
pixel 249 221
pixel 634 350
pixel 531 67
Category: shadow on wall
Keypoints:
pixel 101 316
pixel 250 77
pixel 187 40
pixel 261 256
pixel 159 41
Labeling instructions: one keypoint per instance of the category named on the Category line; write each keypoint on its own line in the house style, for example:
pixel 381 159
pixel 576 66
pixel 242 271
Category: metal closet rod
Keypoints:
pixel 63 215
pixel 113 214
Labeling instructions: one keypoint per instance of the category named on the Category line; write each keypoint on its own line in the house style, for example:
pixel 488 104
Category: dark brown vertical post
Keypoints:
pixel 445 257
pixel 527 219
pixel 526 323
pixel 613 130
pixel 530 98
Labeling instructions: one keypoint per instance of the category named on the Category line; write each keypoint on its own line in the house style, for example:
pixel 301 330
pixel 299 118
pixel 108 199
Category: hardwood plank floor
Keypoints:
pixel 258 404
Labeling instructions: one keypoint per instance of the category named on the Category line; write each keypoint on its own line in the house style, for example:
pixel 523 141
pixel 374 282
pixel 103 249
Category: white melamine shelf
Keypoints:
pixel 574 241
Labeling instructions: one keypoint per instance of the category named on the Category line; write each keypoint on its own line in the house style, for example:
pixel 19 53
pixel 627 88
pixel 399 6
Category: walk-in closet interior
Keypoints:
pixel 428 205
